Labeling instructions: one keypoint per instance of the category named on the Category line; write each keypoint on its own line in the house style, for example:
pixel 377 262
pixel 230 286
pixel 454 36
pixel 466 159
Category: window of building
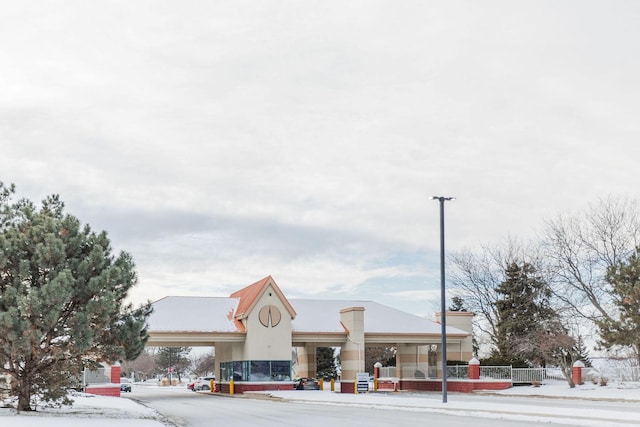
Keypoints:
pixel 256 370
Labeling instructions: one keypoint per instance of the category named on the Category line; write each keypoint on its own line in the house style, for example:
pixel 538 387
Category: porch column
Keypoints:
pixel 576 372
pixel 462 320
pixel 307 363
pixel 115 373
pixel 352 354
pixel 474 369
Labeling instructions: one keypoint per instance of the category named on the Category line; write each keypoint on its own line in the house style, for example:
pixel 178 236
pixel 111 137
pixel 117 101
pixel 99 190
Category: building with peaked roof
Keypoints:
pixel 254 330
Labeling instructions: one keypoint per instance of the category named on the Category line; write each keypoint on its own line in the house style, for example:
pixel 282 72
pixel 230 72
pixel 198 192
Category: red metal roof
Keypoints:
pixel 249 296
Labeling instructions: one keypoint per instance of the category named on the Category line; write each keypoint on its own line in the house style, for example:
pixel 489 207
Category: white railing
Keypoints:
pixel 528 375
pixel 458 371
pixel 96 376
pixel 388 372
pixel 620 374
pixel 495 372
pixel 516 375
pixel 486 372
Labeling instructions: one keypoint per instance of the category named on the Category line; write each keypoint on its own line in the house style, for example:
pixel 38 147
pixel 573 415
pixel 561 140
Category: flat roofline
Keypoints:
pixel 166 339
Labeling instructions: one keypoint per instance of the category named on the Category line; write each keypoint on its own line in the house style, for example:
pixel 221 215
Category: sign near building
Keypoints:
pixel 362 382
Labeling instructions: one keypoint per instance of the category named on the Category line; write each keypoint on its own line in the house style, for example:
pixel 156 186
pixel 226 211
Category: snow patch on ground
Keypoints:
pixel 87 410
pixel 614 391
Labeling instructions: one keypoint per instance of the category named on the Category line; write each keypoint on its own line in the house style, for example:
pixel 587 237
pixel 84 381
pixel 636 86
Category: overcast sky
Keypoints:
pixel 223 141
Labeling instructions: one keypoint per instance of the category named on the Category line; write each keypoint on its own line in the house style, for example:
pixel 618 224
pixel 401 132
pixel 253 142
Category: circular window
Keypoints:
pixel 269 316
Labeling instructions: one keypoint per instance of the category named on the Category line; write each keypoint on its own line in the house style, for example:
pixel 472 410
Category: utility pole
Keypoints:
pixel 443 310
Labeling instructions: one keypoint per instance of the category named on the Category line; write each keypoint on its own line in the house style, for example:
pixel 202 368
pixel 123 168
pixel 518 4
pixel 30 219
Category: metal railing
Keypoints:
pixel 458 372
pixel 528 375
pixel 96 376
pixel 496 372
pixel 388 372
pixel 619 374
pixel 516 375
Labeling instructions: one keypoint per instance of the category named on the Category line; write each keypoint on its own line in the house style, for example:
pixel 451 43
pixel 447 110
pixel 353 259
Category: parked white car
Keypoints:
pixel 202 383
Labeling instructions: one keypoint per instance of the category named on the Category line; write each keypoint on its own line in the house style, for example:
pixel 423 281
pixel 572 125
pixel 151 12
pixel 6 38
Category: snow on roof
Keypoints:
pixel 216 314
pixel 194 314
pixel 324 316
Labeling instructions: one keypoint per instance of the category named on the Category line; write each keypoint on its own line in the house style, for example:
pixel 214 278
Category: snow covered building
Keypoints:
pixel 254 330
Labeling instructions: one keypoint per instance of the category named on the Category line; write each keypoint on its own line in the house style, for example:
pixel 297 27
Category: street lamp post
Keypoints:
pixel 443 314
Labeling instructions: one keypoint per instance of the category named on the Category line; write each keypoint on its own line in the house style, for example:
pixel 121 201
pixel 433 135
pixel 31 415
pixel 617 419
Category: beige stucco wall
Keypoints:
pixel 411 358
pixel 272 342
pixel 462 350
pixel 352 354
pixel 458 319
pixel 307 360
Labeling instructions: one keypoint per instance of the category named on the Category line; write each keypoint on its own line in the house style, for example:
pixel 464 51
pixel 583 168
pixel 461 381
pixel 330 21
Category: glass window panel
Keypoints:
pixel 280 370
pixel 260 370
pixel 240 371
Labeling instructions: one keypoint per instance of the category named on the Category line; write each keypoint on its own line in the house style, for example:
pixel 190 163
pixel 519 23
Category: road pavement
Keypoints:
pixel 183 408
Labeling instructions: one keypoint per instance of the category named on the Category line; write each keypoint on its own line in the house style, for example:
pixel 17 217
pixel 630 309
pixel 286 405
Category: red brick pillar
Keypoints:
pixel 115 374
pixel 474 369
pixel 376 370
pixel 576 372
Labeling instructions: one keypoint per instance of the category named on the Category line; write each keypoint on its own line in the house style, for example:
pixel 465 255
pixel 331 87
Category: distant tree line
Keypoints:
pixel 177 362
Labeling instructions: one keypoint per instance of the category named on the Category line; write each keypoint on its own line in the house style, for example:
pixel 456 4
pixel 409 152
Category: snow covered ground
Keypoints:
pixel 87 411
pixel 99 411
pixel 614 391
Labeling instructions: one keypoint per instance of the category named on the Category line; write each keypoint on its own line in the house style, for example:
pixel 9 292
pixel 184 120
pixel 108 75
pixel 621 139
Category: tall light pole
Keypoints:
pixel 443 312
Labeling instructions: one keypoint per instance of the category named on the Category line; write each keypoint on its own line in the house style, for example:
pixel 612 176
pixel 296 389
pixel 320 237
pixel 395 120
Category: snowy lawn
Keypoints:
pixel 614 391
pixel 87 411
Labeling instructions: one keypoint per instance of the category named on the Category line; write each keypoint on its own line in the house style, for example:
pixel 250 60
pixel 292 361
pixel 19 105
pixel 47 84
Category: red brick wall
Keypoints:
pixel 492 385
pixel 386 385
pixel 104 390
pixel 242 387
pixel 347 387
pixel 455 386
pixel 115 374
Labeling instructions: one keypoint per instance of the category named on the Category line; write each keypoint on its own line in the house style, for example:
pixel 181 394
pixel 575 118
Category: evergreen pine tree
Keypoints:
pixel 326 363
pixel 384 355
pixel 624 278
pixel 582 352
pixel 457 304
pixel 62 300
pixel 173 361
pixel 523 308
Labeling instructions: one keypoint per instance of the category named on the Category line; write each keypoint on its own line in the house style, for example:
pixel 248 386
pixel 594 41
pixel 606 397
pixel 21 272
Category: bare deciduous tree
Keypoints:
pixel 143 367
pixel 580 249
pixel 203 364
pixel 475 277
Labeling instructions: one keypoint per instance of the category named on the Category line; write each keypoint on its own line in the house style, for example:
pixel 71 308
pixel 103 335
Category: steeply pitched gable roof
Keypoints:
pixel 250 295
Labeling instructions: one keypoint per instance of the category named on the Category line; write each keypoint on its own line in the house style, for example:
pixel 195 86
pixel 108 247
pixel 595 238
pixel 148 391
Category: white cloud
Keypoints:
pixel 222 142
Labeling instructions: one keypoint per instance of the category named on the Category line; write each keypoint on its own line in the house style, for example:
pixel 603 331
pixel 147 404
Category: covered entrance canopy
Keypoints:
pixel 255 329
